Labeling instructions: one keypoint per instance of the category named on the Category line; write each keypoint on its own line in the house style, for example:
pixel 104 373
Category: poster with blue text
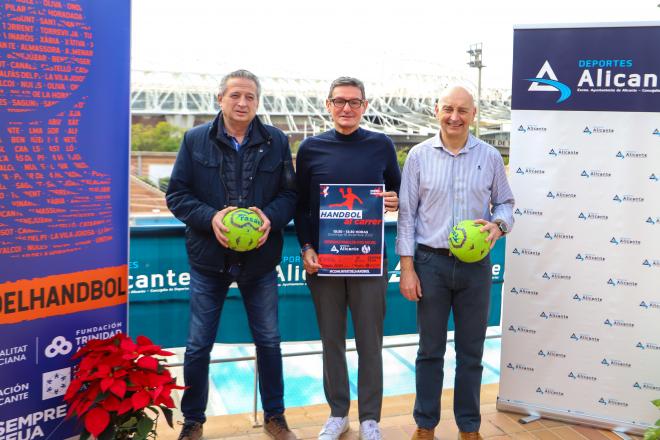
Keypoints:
pixel 64 144
pixel 351 230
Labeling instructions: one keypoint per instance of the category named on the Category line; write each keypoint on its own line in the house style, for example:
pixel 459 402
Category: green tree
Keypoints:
pixel 161 137
pixel 401 156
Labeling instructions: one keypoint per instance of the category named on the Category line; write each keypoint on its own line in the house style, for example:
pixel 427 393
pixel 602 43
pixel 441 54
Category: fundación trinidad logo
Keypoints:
pixel 549 84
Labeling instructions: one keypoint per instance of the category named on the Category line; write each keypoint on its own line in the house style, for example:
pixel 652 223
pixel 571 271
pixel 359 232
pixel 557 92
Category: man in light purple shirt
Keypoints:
pixel 446 179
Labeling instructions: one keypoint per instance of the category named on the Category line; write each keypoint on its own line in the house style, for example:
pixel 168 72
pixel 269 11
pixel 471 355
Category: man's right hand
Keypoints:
pixel 311 261
pixel 409 284
pixel 218 228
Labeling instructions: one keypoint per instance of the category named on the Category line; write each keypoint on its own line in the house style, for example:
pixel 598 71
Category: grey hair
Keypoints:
pixel 347 81
pixel 240 73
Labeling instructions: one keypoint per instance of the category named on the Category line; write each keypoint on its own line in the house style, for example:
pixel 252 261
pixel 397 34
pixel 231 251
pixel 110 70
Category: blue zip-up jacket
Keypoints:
pixel 209 175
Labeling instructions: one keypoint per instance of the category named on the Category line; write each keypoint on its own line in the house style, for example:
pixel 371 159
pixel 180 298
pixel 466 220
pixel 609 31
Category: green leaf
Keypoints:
pixel 108 434
pixel 153 409
pixel 652 434
pixel 656 403
pixel 130 423
pixel 168 416
pixel 145 425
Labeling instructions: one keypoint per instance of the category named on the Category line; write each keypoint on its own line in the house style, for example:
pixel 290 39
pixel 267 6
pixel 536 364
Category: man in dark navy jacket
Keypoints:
pixel 234 161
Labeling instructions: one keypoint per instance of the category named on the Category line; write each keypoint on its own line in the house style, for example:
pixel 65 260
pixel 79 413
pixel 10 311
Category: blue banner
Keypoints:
pixel 608 69
pixel 64 131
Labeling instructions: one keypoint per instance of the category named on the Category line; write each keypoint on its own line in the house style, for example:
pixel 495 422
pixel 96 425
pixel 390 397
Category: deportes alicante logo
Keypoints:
pixel 549 84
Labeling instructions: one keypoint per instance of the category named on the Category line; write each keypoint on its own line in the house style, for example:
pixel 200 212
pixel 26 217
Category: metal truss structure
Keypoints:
pixel 404 106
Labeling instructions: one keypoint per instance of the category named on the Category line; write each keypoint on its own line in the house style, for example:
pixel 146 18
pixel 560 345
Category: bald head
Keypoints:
pixel 455 111
pixel 457 92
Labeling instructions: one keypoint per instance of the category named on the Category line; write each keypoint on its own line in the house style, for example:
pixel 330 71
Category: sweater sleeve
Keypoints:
pixel 392 171
pixel 302 217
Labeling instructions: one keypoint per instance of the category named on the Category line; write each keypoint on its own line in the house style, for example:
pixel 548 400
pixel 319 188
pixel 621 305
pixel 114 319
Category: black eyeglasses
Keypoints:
pixel 341 102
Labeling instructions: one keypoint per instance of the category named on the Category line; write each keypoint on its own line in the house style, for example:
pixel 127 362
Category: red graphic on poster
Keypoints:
pixel 349 198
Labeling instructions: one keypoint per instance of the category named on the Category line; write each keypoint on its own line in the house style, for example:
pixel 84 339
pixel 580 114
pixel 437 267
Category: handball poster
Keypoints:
pixel 351 230
pixel 581 302
pixel 64 146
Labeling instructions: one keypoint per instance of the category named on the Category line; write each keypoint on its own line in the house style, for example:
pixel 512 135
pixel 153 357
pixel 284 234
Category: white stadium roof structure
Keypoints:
pixel 402 107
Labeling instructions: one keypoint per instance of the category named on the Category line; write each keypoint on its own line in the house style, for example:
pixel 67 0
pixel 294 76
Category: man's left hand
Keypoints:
pixel 390 200
pixel 265 228
pixel 493 230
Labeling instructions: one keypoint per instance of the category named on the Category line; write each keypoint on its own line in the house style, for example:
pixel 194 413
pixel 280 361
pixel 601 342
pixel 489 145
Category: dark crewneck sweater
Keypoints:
pixel 362 157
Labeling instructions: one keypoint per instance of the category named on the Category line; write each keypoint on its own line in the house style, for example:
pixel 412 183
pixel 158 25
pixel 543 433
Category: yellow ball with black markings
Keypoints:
pixel 243 225
pixel 467 243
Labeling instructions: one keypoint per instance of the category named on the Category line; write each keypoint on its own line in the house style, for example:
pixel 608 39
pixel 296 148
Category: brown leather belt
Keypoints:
pixel 439 251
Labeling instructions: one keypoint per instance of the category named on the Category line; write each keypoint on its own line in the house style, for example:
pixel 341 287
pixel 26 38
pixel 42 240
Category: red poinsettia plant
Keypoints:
pixel 115 383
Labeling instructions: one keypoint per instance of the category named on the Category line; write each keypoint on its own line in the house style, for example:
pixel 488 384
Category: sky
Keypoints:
pixel 374 40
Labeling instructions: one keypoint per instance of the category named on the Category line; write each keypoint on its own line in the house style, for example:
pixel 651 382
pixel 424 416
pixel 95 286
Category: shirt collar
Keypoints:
pixel 246 138
pixel 469 144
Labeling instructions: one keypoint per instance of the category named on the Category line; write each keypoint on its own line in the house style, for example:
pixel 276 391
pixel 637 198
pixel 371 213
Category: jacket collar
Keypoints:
pixel 258 135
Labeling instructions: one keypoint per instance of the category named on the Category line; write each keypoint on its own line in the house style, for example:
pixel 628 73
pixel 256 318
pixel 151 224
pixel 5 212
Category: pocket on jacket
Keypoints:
pixel 207 176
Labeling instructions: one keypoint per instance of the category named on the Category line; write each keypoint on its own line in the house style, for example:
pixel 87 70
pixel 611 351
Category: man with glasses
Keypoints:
pixel 234 161
pixel 446 179
pixel 346 155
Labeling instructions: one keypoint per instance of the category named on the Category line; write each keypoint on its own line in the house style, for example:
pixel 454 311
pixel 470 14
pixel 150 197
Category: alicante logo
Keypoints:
pixel 637 385
pixel 541 353
pixel 584 173
pixel 520 171
pixel 515 251
pixel 602 401
pixel 548 236
pixel 509 365
pixel 539 390
pixel 653 177
pixel 614 241
pixel 549 84
pixel 656 132
pixel 620 155
pixel 586 130
pixel 552 152
pixel 522 129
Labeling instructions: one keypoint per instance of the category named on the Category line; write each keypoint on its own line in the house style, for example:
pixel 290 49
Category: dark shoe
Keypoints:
pixel 191 431
pixel 277 428
pixel 469 435
pixel 423 434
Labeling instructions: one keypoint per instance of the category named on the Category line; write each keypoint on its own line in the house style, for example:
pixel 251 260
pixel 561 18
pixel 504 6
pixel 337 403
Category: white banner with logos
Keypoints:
pixel 581 313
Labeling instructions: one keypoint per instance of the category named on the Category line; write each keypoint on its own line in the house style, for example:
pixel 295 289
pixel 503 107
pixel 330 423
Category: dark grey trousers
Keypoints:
pixel 366 298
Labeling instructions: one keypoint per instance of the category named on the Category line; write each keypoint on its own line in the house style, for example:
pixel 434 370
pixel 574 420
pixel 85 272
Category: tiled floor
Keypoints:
pixel 397 423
